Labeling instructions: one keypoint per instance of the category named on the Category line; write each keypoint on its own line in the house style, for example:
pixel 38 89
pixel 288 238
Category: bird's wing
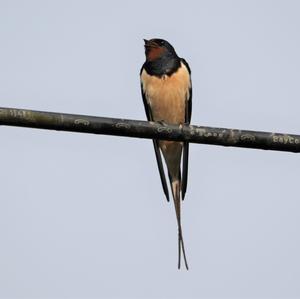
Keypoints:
pixel 156 147
pixel 188 114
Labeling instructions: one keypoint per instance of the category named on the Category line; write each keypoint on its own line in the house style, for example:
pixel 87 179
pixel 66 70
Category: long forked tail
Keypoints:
pixel 176 197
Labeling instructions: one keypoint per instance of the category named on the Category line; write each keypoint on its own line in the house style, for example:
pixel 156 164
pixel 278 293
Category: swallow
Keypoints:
pixel 167 95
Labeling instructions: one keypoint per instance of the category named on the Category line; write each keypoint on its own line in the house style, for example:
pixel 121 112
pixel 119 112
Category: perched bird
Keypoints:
pixel 167 94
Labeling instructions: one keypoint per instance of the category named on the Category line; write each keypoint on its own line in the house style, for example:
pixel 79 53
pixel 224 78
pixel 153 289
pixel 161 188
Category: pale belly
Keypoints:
pixel 168 106
pixel 167 99
pixel 167 96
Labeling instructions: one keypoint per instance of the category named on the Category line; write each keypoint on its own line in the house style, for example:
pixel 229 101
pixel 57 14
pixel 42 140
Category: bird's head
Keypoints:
pixel 157 48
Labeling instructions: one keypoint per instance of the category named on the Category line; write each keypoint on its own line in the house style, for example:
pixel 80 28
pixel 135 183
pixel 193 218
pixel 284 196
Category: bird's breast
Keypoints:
pixel 167 95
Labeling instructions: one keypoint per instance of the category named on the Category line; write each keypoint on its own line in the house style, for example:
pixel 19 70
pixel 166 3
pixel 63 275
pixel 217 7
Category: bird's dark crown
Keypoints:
pixel 156 43
pixel 161 58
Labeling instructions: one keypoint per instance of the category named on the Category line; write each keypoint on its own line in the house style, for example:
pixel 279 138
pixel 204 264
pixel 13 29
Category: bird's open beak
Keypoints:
pixel 150 44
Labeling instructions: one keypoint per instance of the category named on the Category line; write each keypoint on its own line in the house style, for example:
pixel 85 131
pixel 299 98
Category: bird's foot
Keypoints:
pixel 181 126
pixel 162 122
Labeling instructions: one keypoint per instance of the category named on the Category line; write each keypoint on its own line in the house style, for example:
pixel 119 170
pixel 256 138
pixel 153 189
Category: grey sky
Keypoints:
pixel 84 216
